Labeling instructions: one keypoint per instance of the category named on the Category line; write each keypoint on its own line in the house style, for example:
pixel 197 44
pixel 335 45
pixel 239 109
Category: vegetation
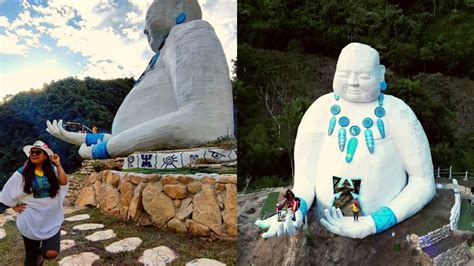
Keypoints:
pixel 287 55
pixel 89 102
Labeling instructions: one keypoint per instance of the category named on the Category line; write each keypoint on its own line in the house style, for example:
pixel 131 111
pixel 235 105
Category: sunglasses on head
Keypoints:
pixel 36 152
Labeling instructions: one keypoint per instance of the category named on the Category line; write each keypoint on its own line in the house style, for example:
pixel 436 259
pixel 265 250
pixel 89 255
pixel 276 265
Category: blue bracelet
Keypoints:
pixel 303 206
pixel 94 138
pixel 384 218
pixel 99 151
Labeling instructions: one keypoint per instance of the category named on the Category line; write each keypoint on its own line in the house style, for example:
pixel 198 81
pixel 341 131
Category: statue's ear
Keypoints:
pixel 381 72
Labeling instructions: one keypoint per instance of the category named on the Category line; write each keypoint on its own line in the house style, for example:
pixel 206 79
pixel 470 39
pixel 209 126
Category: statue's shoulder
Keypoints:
pixel 196 25
pixel 398 108
pixel 321 103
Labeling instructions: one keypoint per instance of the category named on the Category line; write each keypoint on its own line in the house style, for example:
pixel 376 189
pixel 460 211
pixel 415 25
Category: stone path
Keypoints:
pixel 161 255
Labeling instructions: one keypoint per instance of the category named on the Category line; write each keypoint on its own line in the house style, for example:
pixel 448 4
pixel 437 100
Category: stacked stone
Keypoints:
pixel 88 166
pixel 200 204
pixel 435 236
pixel 454 256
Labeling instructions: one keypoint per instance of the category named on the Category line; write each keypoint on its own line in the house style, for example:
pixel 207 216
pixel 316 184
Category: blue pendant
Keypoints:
pixel 344 121
pixel 335 109
pixel 369 140
pixel 332 124
pixel 381 127
pixel 336 97
pixel 379 111
pixel 354 130
pixel 351 148
pixel 367 122
pixel 380 99
pixel 341 138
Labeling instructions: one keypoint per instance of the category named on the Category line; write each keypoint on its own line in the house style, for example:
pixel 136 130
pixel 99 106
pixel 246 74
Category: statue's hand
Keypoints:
pixel 335 222
pixel 287 227
pixel 56 129
pixel 85 151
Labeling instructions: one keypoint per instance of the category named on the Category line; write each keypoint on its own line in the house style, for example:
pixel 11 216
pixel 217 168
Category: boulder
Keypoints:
pixel 185 210
pixel 177 226
pixel 135 206
pixel 109 199
pixel 86 197
pixel 197 229
pixel 169 179
pixel 176 191
pixel 206 210
pixel 194 187
pixel 157 204
pixel 227 179
pixel 230 212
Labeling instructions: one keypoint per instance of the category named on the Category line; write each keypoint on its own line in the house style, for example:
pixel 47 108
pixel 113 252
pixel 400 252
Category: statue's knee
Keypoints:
pixel 50 254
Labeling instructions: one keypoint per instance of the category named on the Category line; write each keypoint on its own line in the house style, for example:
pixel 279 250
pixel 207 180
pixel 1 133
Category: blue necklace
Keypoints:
pixel 355 130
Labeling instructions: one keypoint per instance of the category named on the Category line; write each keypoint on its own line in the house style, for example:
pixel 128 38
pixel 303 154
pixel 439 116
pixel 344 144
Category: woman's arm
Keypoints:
pixel 63 180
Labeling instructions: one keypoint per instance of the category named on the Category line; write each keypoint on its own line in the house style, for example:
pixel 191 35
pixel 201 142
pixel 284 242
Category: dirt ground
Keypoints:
pixel 313 245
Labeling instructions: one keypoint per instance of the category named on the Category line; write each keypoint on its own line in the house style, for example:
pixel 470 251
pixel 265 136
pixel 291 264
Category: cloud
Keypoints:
pixel 4 22
pixel 9 44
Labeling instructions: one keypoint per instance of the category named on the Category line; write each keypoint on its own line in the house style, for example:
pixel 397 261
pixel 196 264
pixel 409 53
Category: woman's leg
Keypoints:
pixel 31 251
pixel 50 247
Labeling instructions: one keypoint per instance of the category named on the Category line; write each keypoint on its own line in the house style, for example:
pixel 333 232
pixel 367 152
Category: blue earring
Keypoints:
pixel 383 85
pixel 181 18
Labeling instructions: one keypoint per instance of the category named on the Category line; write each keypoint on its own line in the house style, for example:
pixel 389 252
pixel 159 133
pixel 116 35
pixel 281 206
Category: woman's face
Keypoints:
pixel 37 156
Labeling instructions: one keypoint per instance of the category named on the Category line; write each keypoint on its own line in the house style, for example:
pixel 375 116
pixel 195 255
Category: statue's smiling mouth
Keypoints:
pixel 353 90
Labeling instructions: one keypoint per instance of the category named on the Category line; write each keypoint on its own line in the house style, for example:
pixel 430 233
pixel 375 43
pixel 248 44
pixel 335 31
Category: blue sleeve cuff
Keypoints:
pixel 3 207
pixel 384 218
pixel 303 206
pixel 99 151
pixel 94 138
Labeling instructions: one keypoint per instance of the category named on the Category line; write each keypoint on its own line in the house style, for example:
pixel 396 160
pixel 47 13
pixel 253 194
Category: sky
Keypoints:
pixel 45 40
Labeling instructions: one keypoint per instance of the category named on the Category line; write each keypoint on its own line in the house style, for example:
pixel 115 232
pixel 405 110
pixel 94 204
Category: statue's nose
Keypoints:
pixel 353 80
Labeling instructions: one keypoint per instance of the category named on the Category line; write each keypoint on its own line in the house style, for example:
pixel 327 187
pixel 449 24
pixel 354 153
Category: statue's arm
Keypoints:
pixel 308 150
pixel 413 147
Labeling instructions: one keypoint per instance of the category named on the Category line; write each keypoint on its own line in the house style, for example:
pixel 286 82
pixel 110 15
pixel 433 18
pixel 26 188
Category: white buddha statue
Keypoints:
pixel 184 97
pixel 359 144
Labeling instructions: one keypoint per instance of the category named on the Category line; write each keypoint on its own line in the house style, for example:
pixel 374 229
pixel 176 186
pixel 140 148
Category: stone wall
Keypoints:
pixel 458 255
pixel 434 236
pixel 201 204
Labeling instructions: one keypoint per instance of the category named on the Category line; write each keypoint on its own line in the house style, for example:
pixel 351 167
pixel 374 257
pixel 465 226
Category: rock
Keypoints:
pixel 220 187
pixel 85 258
pixel 206 210
pixel 157 204
pixel 66 244
pixel 3 234
pixel 176 191
pixel 220 201
pixel 92 178
pixel 208 180
pixel 151 178
pixel 126 195
pixel 168 180
pixel 113 178
pixel 101 235
pixel 197 229
pixel 135 206
pixel 177 226
pixel 109 199
pixel 97 190
pixel 185 210
pixel 79 217
pixel 204 262
pixel 63 233
pixel 135 179
pixel 86 197
pixel 127 244
pixel 230 212
pixel 227 179
pixel 145 219
pixel 184 179
pixel 176 203
pixel 89 226
pixel 158 256
pixel 194 187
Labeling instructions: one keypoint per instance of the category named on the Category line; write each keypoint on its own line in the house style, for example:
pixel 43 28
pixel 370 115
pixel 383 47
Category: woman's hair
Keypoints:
pixel 29 175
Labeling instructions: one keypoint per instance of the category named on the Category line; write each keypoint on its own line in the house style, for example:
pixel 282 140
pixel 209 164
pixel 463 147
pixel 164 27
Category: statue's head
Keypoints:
pixel 162 15
pixel 359 73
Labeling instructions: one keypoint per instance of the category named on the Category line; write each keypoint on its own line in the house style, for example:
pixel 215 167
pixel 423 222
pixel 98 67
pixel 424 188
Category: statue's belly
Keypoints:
pixel 152 97
pixel 375 178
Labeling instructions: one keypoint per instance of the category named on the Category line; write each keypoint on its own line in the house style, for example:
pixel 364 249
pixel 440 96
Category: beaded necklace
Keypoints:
pixel 355 130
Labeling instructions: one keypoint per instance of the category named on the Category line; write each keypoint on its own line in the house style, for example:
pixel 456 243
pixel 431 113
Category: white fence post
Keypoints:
pixel 438 173
pixel 450 172
pixel 465 177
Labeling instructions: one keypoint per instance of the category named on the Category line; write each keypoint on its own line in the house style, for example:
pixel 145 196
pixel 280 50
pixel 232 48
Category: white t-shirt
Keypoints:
pixel 42 217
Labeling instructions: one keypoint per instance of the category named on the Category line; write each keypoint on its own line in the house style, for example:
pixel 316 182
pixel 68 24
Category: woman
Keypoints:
pixel 37 191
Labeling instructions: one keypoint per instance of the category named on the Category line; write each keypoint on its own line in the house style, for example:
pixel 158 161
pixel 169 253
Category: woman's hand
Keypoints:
pixel 56 160
pixel 19 207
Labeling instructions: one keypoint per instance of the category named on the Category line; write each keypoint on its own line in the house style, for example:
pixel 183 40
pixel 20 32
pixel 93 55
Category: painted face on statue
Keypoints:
pixel 358 74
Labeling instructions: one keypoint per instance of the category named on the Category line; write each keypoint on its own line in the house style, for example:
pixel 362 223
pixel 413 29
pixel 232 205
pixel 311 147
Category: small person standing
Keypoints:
pixel 36 192
pixel 355 210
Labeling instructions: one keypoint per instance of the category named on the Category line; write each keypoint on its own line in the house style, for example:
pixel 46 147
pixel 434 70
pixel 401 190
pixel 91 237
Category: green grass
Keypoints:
pixel 187 247
pixel 183 171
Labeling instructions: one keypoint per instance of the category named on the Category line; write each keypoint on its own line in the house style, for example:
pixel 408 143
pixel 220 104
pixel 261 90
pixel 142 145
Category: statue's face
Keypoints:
pixel 157 25
pixel 358 74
